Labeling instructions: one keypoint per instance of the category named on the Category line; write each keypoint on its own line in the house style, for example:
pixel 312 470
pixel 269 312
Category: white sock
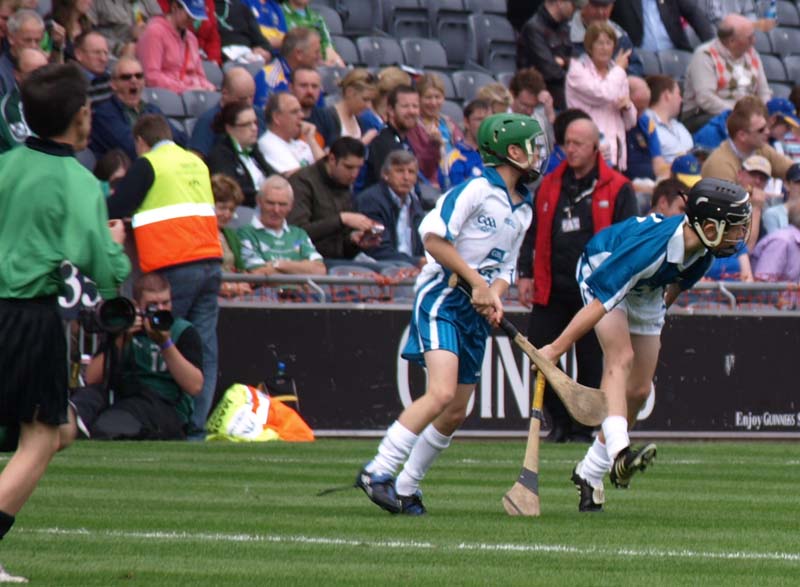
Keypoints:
pixel 393 450
pixel 595 464
pixel 431 443
pixel 615 429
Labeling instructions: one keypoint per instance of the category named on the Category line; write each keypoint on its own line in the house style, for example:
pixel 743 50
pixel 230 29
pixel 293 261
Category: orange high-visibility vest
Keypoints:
pixel 176 222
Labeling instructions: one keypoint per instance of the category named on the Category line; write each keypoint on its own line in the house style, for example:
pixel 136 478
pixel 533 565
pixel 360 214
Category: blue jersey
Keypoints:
pixel 639 255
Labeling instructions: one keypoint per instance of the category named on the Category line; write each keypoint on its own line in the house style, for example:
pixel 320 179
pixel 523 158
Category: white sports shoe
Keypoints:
pixel 5 577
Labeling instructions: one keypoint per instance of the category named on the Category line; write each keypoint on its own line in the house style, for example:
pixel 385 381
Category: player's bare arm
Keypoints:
pixel 582 323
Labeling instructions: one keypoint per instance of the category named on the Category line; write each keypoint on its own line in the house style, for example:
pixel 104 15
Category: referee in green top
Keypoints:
pixel 52 211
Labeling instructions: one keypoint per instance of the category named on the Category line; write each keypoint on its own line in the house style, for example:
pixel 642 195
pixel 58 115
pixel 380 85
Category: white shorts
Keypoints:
pixel 645 310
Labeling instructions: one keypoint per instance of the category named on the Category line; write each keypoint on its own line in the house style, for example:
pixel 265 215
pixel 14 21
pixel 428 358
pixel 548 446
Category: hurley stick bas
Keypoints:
pixel 523 497
pixel 585 404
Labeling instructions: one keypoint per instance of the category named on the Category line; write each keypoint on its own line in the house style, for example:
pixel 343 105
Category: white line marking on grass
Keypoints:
pixel 417 545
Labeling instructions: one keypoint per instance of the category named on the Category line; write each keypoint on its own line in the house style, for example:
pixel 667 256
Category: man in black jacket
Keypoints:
pixel 544 43
pixel 653 24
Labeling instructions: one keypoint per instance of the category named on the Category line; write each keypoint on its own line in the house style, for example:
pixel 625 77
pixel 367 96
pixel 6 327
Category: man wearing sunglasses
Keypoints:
pixel 113 119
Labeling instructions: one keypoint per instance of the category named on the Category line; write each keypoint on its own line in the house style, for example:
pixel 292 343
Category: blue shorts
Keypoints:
pixel 444 319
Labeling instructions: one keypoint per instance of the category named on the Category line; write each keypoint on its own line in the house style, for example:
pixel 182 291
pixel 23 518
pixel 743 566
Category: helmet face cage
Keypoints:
pixel 725 214
pixel 514 129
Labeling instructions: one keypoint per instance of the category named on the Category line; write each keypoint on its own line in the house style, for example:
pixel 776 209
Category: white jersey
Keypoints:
pixel 485 227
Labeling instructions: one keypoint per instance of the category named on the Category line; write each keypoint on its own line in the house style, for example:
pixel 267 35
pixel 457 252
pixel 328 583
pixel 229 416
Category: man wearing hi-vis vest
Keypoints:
pixel 167 194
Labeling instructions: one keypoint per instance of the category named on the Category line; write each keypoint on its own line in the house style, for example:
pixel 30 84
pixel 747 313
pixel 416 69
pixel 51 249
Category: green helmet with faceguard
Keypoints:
pixel 499 131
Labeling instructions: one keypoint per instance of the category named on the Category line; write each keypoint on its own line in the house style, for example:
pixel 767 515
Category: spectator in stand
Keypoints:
pixel 722 71
pixel 530 97
pixel 227 197
pixel 750 9
pixel 301 48
pixel 112 167
pixel 168 49
pixel 646 163
pixel 206 30
pixel 563 120
pixel 665 106
pixel 598 85
pixel 306 85
pixel 776 217
pixel 73 15
pixel 236 154
pixel 783 123
pixel 402 115
pixel 467 161
pixel 748 132
pixel 299 14
pixel 122 22
pixel 358 89
pixel 269 15
pixel 290 142
pixel 669 197
pixel 686 169
pixel 497 96
pixel 272 246
pixel 113 119
pixel 520 11
pixel 753 176
pixel 393 204
pixel 13 126
pixel 435 134
pixel 237 86
pixel 659 25
pixel 544 43
pixel 579 199
pixel 168 193
pixel 91 53
pixel 323 204
pixel 25 31
pixel 6 10
pixel 600 11
pixel 240 34
pixel 776 257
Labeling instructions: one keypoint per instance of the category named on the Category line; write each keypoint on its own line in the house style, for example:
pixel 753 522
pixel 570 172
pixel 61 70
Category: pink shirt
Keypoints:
pixel 597 96
pixel 170 61
pixel 776 257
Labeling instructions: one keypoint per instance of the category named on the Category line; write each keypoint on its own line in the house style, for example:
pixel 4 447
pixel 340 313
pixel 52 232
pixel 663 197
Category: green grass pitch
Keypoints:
pixel 177 514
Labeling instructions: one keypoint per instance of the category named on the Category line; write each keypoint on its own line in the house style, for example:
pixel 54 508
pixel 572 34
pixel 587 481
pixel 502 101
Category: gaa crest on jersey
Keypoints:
pixel 486 223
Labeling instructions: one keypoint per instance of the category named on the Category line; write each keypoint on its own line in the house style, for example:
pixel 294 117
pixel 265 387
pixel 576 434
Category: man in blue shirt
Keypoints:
pixel 466 161
pixel 629 274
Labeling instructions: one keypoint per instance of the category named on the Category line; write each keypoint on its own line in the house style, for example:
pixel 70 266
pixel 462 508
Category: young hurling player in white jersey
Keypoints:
pixel 475 231
pixel 629 274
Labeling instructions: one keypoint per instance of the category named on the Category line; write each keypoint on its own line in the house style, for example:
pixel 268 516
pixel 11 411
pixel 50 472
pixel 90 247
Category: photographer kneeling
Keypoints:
pixel 156 368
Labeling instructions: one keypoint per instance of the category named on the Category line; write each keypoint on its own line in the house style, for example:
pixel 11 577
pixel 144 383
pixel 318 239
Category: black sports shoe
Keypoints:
pixel 379 487
pixel 629 461
pixel 411 505
pixel 592 498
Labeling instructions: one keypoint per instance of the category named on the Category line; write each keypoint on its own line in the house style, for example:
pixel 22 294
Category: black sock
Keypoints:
pixel 6 521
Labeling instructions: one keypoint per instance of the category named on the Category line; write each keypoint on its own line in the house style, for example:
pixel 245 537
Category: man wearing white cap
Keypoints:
pixel 168 49
pixel 753 176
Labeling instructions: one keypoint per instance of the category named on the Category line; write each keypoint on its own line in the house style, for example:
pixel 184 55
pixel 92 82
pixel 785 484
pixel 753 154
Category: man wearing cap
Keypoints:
pixel 686 169
pixel 753 176
pixel 600 11
pixel 665 105
pixel 544 43
pixel 776 217
pixel 722 71
pixel 168 49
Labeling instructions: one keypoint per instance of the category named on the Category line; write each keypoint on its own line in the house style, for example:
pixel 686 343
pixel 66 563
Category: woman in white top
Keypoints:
pixel 358 88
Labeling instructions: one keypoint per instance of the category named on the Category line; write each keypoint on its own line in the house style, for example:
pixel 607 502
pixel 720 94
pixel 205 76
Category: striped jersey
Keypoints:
pixel 639 255
pixel 483 224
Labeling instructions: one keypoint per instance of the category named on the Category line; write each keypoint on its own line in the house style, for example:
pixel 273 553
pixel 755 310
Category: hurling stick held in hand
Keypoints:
pixel 585 404
pixel 523 498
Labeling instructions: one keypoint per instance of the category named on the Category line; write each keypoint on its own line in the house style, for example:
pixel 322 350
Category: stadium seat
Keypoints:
pixel 189 124
pixel 773 68
pixel 449 88
pixel 424 53
pixel 196 102
pixel 785 40
pixel 691 35
pixel 504 77
pixel 763 44
pixel 450 27
pixel 787 13
pixel 406 18
pixel 493 40
pixel 213 73
pixel 346 49
pixel 467 83
pixel 673 62
pixel 253 67
pixel 360 18
pixel 454 111
pixel 499 7
pixel 792 64
pixel 169 102
pixel 379 51
pixel 177 124
pixel 332 19
pixel 328 3
pixel 331 76
pixel 650 61
pixel 780 90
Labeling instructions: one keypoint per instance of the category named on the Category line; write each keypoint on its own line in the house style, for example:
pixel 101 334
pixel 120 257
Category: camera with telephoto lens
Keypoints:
pixel 109 316
pixel 159 319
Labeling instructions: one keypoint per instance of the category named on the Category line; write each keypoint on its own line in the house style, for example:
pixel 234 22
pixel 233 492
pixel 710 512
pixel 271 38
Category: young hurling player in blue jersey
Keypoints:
pixel 629 274
pixel 475 231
